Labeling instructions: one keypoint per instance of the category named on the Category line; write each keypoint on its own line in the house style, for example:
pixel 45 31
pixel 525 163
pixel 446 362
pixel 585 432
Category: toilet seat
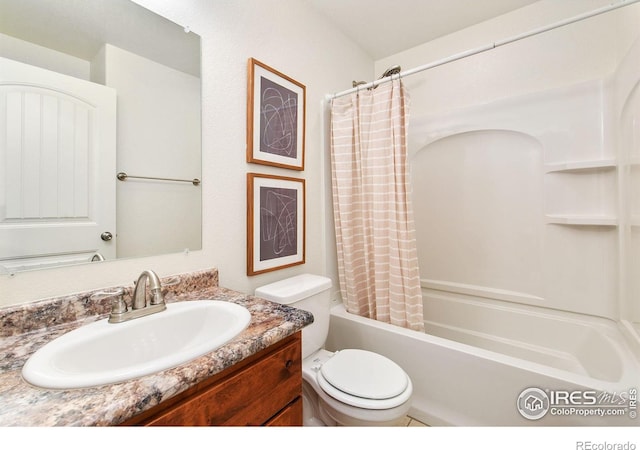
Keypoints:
pixel 364 379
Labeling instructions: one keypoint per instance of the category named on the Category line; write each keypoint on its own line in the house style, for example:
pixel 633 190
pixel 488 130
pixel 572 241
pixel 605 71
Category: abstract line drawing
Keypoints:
pixel 278 222
pixel 275 222
pixel 279 118
pixel 275 118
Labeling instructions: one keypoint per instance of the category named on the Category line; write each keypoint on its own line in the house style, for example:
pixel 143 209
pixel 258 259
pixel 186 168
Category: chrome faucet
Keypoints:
pixel 139 306
pixel 140 291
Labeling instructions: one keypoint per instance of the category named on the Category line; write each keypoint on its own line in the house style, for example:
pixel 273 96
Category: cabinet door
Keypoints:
pixel 252 395
pixel 291 416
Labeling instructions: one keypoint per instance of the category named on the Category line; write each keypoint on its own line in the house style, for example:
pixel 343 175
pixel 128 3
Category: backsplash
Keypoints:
pixel 49 312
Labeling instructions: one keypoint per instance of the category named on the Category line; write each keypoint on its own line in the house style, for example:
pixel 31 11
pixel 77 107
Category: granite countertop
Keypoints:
pixel 26 328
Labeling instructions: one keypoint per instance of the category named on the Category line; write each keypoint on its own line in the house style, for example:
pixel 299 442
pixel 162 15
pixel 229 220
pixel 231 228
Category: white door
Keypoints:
pixel 57 167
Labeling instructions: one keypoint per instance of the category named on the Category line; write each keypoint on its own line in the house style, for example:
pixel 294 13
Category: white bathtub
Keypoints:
pixel 479 356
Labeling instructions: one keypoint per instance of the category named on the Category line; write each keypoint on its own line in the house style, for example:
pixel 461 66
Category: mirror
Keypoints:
pixel 92 89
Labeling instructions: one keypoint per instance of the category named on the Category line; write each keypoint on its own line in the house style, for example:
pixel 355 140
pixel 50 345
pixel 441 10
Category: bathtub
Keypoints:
pixel 478 356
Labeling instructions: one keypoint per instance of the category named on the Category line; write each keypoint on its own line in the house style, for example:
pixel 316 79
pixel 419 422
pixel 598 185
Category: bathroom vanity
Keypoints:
pixel 265 389
pixel 254 379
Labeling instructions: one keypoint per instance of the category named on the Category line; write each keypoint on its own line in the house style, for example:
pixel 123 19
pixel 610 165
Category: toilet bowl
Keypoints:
pixel 350 387
pixel 347 396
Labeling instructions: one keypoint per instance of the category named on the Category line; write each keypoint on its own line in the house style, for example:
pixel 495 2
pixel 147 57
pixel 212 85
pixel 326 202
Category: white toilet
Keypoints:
pixel 349 387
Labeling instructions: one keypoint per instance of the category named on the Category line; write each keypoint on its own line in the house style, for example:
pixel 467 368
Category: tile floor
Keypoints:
pixel 411 422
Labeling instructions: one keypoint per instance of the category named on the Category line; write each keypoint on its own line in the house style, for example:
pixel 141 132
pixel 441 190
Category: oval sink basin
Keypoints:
pixel 103 353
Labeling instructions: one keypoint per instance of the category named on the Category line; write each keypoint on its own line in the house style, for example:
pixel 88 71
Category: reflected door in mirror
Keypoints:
pixel 57 189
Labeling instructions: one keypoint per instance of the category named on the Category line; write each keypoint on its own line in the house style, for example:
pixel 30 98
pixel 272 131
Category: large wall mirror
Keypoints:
pixel 90 89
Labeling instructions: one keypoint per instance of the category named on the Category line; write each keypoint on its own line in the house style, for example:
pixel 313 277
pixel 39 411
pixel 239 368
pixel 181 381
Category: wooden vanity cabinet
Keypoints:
pixel 264 389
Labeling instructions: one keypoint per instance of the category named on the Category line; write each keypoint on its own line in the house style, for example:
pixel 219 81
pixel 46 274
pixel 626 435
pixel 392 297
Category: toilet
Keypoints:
pixel 349 387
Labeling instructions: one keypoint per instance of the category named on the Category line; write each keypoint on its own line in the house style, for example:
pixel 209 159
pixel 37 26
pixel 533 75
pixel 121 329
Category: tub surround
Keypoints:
pixel 26 328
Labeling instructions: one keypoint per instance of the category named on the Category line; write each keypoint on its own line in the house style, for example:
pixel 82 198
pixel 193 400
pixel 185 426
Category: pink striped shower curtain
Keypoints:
pixel 375 231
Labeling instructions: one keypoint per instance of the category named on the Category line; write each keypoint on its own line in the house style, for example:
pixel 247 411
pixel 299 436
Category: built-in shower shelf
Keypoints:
pixel 561 219
pixel 581 166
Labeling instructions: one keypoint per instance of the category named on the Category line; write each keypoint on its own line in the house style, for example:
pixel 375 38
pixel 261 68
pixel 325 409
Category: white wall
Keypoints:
pixel 557 58
pixel 538 14
pixel 158 136
pixel 285 34
pixel 43 57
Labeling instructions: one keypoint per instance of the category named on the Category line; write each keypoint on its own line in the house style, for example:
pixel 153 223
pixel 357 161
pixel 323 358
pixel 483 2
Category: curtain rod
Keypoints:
pixel 488 47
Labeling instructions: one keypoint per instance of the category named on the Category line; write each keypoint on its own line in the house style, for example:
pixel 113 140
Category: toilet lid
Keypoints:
pixel 365 374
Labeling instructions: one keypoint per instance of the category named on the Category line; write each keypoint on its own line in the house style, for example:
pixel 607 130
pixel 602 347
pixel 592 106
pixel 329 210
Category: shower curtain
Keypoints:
pixel 375 232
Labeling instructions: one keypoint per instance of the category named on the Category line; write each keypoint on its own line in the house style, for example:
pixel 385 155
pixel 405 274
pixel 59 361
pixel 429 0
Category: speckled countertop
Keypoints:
pixel 25 328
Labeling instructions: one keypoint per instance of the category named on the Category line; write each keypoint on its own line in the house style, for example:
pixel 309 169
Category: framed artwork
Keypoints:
pixel 275 118
pixel 275 222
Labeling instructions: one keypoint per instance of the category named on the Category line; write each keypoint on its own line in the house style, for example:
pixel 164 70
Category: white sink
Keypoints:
pixel 103 353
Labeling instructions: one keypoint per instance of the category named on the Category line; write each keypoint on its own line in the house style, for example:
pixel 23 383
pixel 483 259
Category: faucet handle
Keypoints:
pixel 118 305
pixel 170 281
pixel 170 287
pixel 156 297
pixel 106 293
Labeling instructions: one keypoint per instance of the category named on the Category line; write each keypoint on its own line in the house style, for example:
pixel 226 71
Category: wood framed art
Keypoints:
pixel 275 222
pixel 275 118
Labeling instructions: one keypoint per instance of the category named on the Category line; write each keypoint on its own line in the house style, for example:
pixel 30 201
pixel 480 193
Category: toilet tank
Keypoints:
pixel 310 293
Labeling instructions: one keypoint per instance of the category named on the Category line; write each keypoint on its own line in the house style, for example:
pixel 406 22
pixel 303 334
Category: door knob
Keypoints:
pixel 106 236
